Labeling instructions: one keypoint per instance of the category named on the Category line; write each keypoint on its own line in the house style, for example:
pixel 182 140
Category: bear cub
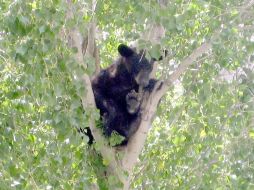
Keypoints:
pixel 116 91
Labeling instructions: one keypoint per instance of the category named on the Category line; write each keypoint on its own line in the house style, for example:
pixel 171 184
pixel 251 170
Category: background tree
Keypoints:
pixel 202 136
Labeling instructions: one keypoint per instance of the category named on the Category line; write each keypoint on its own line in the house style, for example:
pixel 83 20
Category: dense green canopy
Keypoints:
pixel 203 134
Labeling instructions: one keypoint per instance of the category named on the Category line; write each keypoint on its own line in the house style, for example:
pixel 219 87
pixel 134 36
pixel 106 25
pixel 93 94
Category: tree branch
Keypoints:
pixel 150 103
pixel 204 48
pixel 88 101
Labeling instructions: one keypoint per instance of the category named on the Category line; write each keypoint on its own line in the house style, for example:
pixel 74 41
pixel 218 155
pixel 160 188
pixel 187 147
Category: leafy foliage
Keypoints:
pixel 202 137
pixel 40 103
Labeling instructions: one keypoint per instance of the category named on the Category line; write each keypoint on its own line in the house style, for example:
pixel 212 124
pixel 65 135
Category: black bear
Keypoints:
pixel 116 91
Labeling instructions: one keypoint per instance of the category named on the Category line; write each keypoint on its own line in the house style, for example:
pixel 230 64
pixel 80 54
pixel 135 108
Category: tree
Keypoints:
pixel 202 136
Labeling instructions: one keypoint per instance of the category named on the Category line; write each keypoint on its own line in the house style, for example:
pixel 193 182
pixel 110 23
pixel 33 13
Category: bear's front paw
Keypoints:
pixel 133 102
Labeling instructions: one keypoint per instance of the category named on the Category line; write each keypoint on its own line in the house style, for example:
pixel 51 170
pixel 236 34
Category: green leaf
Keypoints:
pixel 155 52
pixel 22 50
pixel 42 29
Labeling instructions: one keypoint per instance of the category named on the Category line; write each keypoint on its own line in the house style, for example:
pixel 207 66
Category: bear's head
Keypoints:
pixel 137 64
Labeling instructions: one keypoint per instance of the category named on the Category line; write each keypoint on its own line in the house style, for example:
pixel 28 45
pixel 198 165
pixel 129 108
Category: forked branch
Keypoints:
pixel 88 101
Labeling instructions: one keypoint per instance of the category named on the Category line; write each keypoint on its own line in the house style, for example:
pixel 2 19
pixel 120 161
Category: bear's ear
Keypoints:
pixel 125 51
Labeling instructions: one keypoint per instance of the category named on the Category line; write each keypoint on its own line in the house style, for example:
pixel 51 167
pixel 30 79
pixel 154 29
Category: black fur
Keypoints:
pixel 112 85
pixel 115 89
